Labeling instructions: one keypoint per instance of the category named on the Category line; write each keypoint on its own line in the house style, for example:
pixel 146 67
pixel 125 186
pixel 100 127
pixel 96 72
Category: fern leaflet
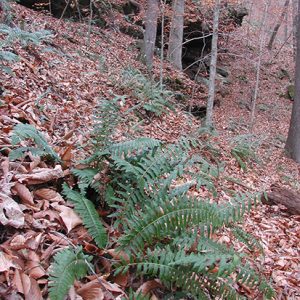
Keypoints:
pixel 89 215
pixel 68 266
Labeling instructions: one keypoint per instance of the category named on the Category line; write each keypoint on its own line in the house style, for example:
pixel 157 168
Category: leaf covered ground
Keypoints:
pixel 56 87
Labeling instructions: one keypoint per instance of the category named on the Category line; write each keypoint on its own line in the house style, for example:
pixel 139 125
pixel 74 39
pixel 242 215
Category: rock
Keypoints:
pixel 223 72
pixel 202 80
pixel 283 73
pixel 134 31
pixel 291 92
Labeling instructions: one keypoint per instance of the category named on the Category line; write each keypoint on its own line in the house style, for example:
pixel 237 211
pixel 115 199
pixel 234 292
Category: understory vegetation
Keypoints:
pixel 116 189
pixel 166 232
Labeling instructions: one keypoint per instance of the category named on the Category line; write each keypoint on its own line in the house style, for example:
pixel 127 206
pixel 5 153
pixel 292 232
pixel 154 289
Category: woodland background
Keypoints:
pixel 113 183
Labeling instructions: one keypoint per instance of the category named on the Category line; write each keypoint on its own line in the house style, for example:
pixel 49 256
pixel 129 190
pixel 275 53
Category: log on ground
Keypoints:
pixel 281 195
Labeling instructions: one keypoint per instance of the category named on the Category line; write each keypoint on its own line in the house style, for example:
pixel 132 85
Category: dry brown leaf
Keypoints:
pixel 48 214
pixel 69 216
pixel 41 175
pixel 27 286
pixel 10 212
pixel 66 156
pixel 33 265
pixel 23 192
pixel 48 194
pixel 148 286
pixel 118 255
pixel 91 291
pixel 35 161
pixel 6 262
pixel 18 242
pixel 5 167
pixel 72 294
pixel 121 279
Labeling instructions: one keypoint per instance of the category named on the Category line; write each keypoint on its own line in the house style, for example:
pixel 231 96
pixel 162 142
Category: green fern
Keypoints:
pixel 89 215
pixel 106 118
pixel 69 265
pixel 135 296
pixel 86 178
pixel 26 132
pixel 134 147
pixel 244 149
pixel 13 34
pixel 171 216
pixel 150 96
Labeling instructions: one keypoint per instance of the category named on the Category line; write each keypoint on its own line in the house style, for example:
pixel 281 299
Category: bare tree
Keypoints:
pixel 277 26
pixel 258 64
pixel 151 16
pixel 295 22
pixel 213 66
pixel 176 34
pixel 292 146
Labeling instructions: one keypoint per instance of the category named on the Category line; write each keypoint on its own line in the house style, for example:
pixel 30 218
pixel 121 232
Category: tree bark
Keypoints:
pixel 213 67
pixel 292 146
pixel 281 195
pixel 150 31
pixel 176 35
pixel 277 26
pixel 258 66
pixel 295 22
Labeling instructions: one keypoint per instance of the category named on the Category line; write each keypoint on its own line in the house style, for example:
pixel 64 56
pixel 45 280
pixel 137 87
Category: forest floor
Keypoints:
pixel 55 87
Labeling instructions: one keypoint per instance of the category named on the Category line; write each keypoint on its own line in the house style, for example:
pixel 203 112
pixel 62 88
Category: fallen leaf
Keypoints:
pixel 27 286
pixel 91 291
pixel 69 216
pixel 18 242
pixel 66 156
pixel 23 192
pixel 41 175
pixel 48 194
pixel 10 212
pixel 5 262
pixel 122 279
pixel 148 286
pixel 118 255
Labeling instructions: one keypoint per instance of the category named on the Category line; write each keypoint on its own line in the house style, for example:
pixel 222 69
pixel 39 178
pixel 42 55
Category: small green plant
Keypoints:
pixel 68 265
pixel 85 208
pixel 166 232
pixel 38 144
pixel 151 98
pixel 15 34
pixel 244 149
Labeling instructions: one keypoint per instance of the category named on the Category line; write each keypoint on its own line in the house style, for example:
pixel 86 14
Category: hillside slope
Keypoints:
pixel 56 87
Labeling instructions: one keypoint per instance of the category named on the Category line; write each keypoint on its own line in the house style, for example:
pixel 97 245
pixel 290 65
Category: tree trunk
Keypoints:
pixel 293 141
pixel 276 28
pixel 295 22
pixel 213 66
pixel 150 31
pixel 258 66
pixel 176 35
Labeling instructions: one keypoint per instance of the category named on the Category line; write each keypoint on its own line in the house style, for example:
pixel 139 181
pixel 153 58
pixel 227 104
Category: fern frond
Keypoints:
pixel 167 217
pixel 86 177
pixel 26 132
pixel 89 215
pixel 247 239
pixel 134 146
pixel 158 263
pixel 248 276
pixel 152 98
pixel 68 265
pixel 135 296
pixel 106 118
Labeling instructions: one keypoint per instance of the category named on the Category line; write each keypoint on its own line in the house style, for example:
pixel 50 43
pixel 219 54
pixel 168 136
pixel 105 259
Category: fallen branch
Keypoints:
pixel 284 196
